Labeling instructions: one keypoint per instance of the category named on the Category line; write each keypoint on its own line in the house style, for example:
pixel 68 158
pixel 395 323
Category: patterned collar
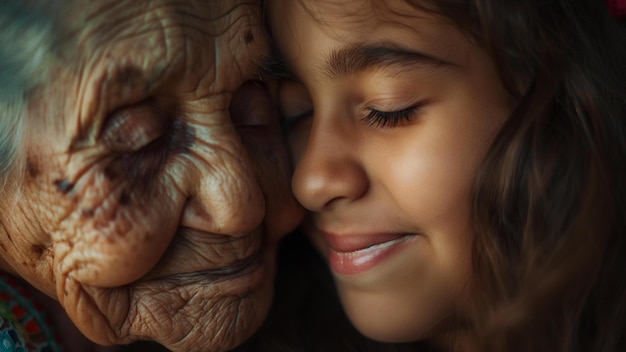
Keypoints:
pixel 23 324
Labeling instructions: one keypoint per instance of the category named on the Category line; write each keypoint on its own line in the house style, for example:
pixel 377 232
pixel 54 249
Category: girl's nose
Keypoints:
pixel 329 171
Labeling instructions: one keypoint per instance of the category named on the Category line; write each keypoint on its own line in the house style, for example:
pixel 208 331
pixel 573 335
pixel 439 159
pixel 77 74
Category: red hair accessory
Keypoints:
pixel 618 8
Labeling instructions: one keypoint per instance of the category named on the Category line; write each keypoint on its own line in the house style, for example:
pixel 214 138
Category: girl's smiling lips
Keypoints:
pixel 355 254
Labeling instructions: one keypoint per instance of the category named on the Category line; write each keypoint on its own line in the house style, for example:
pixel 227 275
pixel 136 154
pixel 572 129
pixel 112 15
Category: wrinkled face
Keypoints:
pixel 156 185
pixel 393 111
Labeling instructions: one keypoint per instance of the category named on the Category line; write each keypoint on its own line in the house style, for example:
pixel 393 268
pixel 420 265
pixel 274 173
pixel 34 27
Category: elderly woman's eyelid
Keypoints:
pixel 134 126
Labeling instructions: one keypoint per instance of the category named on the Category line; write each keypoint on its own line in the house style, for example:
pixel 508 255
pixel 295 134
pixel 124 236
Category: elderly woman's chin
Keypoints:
pixel 214 308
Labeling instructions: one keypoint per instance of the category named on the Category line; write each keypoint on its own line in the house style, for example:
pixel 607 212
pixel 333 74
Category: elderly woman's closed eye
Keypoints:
pixel 144 184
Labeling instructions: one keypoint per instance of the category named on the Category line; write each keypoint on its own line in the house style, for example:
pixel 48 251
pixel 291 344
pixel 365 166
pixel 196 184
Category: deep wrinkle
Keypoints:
pixel 63 186
pixel 183 137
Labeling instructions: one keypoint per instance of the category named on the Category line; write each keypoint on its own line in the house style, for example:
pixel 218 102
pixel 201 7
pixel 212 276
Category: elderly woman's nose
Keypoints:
pixel 231 206
pixel 224 196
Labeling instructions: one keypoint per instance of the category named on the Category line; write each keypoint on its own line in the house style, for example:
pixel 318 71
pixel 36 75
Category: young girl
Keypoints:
pixel 464 165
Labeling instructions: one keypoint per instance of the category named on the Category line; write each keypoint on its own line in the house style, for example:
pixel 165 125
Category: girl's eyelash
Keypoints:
pixel 389 119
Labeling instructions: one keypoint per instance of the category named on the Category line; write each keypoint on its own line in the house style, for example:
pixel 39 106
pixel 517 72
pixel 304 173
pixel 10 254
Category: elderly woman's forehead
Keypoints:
pixel 115 19
pixel 158 35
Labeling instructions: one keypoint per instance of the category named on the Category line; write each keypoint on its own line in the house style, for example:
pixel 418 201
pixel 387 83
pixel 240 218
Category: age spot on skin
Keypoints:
pixel 124 199
pixel 248 37
pixel 87 212
pixel 38 250
pixel 31 168
pixel 63 186
pixel 182 138
pixel 110 173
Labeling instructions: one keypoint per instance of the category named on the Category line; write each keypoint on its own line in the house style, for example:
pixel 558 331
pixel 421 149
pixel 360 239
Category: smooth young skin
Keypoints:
pixel 144 209
pixel 369 180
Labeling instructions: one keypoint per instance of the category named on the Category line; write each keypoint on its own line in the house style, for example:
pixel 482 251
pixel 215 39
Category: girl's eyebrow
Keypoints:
pixel 361 57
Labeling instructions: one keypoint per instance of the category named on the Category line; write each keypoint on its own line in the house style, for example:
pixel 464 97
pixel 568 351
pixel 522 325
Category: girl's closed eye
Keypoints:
pixel 391 119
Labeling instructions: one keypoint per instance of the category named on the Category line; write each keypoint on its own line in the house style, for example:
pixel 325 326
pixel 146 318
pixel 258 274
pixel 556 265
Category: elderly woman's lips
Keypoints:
pixel 193 252
pixel 239 268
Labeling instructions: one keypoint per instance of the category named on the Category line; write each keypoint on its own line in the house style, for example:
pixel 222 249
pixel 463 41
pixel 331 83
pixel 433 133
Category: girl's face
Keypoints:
pixel 403 110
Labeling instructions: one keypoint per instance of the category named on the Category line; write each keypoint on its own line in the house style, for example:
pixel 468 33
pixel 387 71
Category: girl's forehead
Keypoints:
pixel 305 29
pixel 333 11
pixel 359 17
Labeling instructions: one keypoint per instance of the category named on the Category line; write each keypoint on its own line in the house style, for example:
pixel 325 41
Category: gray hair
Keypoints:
pixel 24 45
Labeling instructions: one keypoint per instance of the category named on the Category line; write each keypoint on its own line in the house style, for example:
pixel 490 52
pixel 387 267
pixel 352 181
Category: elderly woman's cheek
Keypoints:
pixel 112 233
pixel 125 205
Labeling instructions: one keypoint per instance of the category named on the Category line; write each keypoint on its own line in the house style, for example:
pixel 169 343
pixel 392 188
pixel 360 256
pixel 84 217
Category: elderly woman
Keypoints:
pixel 144 184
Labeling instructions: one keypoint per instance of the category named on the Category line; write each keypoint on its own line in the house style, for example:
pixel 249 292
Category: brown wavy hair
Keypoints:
pixel 550 199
